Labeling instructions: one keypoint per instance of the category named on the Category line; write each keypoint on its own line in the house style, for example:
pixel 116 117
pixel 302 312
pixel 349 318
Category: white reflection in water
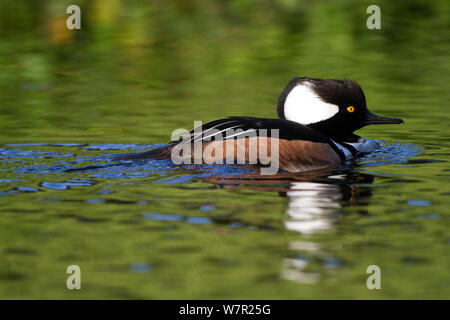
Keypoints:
pixel 293 268
pixel 312 206
pixel 316 202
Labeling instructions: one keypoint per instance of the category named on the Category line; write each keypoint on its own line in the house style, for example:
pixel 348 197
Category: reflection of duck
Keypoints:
pixel 315 128
pixel 314 197
pixel 314 206
pixel 316 200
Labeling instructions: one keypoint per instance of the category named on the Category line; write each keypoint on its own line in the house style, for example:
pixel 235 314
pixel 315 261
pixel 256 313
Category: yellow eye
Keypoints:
pixel 350 108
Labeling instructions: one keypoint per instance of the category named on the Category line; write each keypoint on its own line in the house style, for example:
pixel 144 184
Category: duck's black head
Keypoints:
pixel 336 108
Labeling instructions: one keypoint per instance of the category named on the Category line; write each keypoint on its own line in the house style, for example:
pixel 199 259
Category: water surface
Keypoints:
pixel 70 101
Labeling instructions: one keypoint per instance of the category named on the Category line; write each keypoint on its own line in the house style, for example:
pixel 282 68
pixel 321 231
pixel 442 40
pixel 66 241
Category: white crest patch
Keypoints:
pixel 302 105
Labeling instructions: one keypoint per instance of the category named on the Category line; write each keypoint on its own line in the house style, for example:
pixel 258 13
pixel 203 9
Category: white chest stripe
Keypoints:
pixel 304 106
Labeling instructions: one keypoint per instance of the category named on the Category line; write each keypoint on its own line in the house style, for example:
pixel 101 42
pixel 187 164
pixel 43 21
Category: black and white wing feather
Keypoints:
pixel 241 127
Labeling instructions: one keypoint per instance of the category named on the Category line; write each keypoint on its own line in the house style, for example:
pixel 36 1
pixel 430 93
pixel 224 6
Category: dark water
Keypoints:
pixel 70 101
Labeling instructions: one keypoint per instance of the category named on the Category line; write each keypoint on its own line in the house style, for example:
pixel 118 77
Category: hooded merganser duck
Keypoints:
pixel 316 124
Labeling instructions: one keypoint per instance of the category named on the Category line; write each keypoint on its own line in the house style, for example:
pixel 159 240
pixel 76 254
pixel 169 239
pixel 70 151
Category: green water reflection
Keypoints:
pixel 139 69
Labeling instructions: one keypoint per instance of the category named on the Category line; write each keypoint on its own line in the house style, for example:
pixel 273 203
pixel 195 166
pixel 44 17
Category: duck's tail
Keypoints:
pixel 157 153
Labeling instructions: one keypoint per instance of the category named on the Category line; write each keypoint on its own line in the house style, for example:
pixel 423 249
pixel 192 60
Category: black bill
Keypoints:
pixel 374 119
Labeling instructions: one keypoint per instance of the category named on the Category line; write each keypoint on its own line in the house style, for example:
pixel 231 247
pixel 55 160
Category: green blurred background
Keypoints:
pixel 139 69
